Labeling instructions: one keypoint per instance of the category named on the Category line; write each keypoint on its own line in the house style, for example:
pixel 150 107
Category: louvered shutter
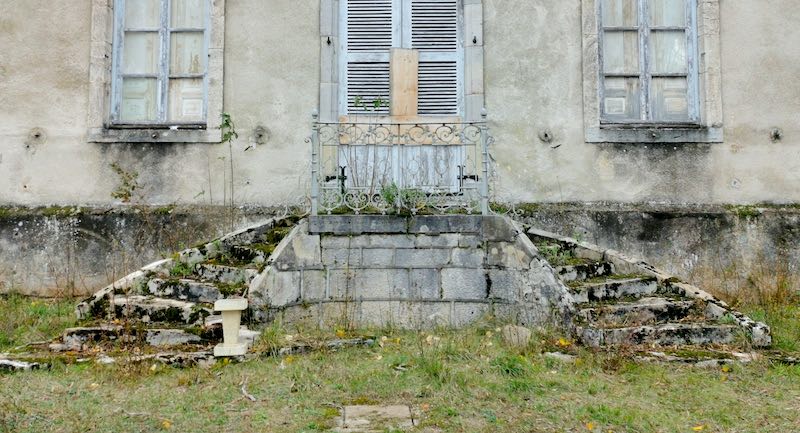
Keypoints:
pixel 370 34
pixel 434 31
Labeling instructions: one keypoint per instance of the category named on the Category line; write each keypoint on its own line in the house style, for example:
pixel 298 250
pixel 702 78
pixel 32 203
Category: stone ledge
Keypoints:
pixel 357 224
pixel 490 228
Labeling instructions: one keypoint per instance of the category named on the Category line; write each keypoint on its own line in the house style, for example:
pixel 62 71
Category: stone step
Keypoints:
pixel 249 254
pixel 78 339
pixel 584 271
pixel 645 311
pixel 225 274
pixel 184 290
pixel 614 289
pixel 171 337
pixel 670 334
pixel 15 365
pixel 149 309
pixel 192 290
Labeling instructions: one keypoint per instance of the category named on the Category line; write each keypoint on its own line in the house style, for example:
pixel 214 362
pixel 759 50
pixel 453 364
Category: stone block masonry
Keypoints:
pixel 408 272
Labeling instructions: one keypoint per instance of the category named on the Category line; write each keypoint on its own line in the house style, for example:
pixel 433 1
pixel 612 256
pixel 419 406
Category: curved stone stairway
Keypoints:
pixel 623 302
pixel 618 301
pixel 165 310
pixel 169 305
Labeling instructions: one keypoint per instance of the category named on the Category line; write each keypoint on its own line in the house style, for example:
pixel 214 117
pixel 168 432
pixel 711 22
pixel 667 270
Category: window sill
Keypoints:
pixel 153 135
pixel 654 133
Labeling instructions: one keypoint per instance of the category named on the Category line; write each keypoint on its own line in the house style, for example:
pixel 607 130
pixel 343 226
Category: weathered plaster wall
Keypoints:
pixel 693 242
pixel 533 82
pixel 74 251
pixel 55 251
pixel 534 79
pixel 272 69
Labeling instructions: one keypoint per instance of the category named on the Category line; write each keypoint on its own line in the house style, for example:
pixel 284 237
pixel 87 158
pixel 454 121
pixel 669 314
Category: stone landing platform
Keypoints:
pixel 409 272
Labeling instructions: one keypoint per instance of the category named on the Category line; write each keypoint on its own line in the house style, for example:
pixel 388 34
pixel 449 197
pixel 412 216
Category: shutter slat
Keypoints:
pixel 369 25
pixel 434 25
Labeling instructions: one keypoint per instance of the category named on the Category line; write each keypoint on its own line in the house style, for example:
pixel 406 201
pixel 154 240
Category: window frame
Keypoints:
pixel 104 93
pixel 705 124
pixel 163 75
pixel 471 59
pixel 402 37
pixel 644 30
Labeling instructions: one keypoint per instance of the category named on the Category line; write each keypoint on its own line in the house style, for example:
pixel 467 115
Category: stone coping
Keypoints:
pixel 491 228
pixel 231 304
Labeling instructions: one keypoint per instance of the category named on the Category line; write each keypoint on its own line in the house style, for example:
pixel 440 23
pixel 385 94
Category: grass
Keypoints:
pixel 767 291
pixel 457 380
pixel 465 382
pixel 25 320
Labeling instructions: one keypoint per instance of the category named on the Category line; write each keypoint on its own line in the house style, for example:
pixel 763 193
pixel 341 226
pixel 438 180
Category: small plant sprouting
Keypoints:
pixel 556 254
pixel 403 200
pixel 228 129
pixel 374 106
pixel 181 269
pixel 390 194
pixel 128 183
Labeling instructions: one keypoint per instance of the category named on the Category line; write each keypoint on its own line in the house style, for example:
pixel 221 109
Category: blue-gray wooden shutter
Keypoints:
pixel 371 30
pixel 434 31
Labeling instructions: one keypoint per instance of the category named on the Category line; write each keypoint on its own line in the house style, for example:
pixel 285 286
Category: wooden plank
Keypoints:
pixel 404 79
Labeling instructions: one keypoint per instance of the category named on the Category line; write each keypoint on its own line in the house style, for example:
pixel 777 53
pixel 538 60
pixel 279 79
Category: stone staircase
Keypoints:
pixel 612 300
pixel 621 301
pixel 170 303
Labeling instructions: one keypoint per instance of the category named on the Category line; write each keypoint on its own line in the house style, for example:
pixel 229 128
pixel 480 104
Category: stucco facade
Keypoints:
pixel 534 58
pixel 533 83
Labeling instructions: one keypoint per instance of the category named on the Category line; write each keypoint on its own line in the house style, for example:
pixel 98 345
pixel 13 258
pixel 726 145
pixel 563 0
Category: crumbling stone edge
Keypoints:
pixel 99 301
pixel 758 332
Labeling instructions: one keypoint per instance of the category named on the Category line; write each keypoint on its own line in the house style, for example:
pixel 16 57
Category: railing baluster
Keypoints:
pixel 315 162
pixel 485 150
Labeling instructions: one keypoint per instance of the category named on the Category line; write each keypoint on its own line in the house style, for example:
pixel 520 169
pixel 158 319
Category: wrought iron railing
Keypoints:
pixel 372 166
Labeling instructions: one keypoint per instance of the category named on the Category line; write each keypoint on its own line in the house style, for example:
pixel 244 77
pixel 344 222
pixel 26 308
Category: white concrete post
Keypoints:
pixel 231 310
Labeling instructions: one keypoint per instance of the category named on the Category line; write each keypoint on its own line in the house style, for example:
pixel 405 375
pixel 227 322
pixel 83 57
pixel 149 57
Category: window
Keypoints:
pixel 156 70
pixel 648 61
pixel 371 28
pixel 651 71
pixel 160 62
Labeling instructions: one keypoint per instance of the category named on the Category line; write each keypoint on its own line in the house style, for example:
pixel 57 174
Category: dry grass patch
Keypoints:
pixel 767 291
